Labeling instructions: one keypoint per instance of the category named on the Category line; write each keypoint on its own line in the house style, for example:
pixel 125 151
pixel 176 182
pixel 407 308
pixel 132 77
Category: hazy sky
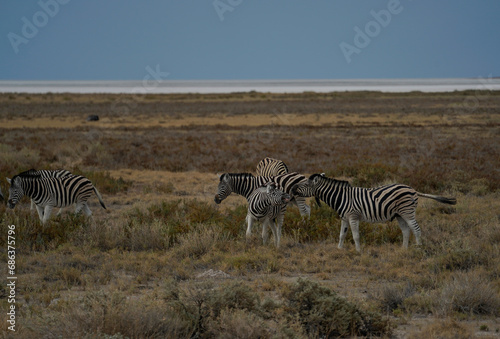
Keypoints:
pixel 248 39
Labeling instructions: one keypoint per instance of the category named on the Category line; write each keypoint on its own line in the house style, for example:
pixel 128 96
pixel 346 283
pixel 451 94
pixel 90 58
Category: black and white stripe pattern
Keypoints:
pixel 266 204
pixel 355 204
pixel 59 173
pixel 48 193
pixel 245 183
pixel 269 167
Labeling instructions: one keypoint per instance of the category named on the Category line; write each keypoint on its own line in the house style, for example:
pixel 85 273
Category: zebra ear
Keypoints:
pixel 322 174
pixel 224 177
pixel 8 180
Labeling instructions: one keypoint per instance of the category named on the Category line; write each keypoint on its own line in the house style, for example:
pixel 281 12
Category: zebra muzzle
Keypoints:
pixel 10 204
pixel 217 200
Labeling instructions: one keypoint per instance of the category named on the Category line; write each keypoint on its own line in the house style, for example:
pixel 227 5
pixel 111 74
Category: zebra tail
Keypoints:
pixel 99 197
pixel 451 201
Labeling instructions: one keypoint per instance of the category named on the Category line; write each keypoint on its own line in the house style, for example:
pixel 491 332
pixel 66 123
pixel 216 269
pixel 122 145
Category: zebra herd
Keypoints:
pixel 268 193
pixel 353 204
pixel 49 189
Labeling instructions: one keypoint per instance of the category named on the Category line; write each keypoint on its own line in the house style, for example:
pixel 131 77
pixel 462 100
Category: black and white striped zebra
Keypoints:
pixel 355 204
pixel 59 173
pixel 48 193
pixel 269 167
pixel 245 183
pixel 266 204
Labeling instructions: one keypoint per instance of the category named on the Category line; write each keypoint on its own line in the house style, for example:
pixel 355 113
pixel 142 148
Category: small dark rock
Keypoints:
pixel 93 118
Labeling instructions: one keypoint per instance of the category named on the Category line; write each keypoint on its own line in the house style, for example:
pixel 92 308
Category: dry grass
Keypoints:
pixel 136 269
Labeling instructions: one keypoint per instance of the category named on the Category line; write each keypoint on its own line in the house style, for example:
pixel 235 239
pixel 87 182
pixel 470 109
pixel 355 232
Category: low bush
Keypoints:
pixel 469 293
pixel 323 313
pixel 393 297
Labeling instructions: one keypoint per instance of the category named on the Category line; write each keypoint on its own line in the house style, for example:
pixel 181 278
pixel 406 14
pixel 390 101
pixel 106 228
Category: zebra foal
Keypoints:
pixel 245 183
pixel 355 204
pixel 48 193
pixel 266 204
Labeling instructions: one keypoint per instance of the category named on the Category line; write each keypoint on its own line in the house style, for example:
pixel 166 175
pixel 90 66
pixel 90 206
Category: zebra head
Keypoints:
pixel 276 196
pixel 320 183
pixel 16 191
pixel 304 189
pixel 224 189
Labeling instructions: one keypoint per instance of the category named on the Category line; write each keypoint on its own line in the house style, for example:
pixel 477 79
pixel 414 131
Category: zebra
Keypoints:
pixel 269 167
pixel 381 204
pixel 1 195
pixel 59 173
pixel 266 204
pixel 48 193
pixel 245 183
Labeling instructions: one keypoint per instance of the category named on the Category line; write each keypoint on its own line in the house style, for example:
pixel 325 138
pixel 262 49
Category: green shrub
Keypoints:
pixel 393 298
pixel 323 313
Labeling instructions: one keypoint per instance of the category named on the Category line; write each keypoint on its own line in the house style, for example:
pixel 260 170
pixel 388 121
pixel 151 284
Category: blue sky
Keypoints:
pixel 248 39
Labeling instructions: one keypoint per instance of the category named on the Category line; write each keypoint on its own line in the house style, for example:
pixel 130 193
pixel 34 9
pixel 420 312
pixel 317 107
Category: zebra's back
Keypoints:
pixel 380 204
pixel 58 173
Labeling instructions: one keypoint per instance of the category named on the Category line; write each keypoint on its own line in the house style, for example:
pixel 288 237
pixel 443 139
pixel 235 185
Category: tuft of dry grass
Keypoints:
pixel 470 293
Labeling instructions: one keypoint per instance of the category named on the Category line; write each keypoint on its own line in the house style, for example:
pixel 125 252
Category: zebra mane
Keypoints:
pixel 238 175
pixel 29 173
pixel 341 183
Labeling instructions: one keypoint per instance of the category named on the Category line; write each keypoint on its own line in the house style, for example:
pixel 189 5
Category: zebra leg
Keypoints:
pixel 405 229
pixel 46 213
pixel 412 223
pixel 279 225
pixel 86 210
pixel 268 222
pixel 265 233
pixel 344 227
pixel 355 232
pixel 39 209
pixel 250 220
pixel 305 211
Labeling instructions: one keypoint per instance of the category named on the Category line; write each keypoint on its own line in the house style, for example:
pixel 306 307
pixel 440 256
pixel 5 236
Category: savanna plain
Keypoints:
pixel 164 261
